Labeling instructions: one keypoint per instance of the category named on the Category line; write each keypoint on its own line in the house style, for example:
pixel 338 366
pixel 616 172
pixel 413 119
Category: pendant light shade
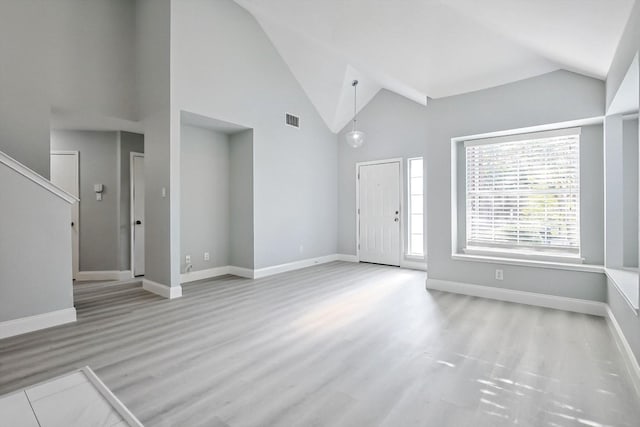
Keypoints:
pixel 355 138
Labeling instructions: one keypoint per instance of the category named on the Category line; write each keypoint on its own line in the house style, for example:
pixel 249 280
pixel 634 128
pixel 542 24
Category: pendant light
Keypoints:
pixel 355 138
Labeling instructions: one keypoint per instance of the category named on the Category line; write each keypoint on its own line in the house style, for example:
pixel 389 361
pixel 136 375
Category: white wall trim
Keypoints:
pixel 104 275
pixel 413 265
pixel 23 325
pixel 38 179
pixel 629 358
pixel 165 291
pixel 347 258
pixel 295 265
pixel 529 298
pixel 192 276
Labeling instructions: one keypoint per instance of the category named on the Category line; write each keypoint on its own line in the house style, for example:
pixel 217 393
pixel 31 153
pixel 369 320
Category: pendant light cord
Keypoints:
pixel 355 98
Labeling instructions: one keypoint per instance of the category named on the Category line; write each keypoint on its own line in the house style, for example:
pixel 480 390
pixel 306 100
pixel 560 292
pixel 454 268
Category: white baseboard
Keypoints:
pixel 241 272
pixel 529 298
pixel 192 276
pixel 104 275
pixel 413 265
pixel 347 258
pixel 209 273
pixel 169 292
pixel 281 268
pixel 23 325
pixel 290 266
pixel 629 358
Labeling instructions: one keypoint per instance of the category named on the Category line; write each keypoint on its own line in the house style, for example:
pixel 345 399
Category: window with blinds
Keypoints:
pixel 523 193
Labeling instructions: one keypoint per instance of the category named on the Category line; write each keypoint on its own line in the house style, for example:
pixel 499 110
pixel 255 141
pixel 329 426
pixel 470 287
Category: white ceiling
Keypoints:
pixel 434 48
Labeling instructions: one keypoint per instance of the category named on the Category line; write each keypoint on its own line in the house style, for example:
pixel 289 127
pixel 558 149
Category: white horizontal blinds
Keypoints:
pixel 524 193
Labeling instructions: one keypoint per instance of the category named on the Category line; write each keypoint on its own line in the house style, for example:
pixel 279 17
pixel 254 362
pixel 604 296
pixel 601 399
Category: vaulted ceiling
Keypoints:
pixel 434 48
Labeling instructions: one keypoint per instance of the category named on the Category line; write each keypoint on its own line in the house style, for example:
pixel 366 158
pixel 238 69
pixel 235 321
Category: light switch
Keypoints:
pixel 164 192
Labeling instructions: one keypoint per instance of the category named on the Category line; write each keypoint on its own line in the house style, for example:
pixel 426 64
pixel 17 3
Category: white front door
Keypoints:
pixel 65 174
pixel 137 214
pixel 379 207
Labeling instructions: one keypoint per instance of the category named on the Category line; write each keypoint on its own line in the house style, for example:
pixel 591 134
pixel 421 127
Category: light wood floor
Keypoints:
pixel 334 345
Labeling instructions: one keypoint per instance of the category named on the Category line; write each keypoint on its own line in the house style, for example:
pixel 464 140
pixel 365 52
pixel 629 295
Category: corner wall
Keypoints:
pixel 241 200
pixel 162 194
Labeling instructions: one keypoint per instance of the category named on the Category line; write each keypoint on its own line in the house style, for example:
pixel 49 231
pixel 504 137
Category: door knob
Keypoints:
pixel 138 222
pixel 396 219
pixel 72 223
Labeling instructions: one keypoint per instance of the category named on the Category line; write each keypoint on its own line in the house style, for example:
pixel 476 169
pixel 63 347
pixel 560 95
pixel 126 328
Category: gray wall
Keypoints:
pixel 24 105
pixel 68 55
pixel 394 127
pixel 630 191
pixel 224 66
pixel 591 195
pixel 554 97
pixel 129 142
pixel 627 48
pixel 34 228
pixel 99 226
pixel 241 199
pixel 204 197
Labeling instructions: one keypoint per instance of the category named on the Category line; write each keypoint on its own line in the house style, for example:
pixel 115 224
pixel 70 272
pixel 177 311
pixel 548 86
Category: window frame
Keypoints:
pixel 459 249
pixel 409 254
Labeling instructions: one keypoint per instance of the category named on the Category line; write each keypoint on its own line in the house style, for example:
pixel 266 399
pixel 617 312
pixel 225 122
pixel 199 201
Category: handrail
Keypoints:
pixel 37 178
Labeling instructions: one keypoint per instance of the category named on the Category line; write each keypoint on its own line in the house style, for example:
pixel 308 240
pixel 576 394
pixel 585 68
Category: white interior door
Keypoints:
pixel 137 214
pixel 65 174
pixel 379 207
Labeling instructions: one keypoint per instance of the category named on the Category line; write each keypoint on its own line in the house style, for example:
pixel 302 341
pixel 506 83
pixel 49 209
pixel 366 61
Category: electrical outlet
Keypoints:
pixel 499 275
pixel 187 259
pixel 207 257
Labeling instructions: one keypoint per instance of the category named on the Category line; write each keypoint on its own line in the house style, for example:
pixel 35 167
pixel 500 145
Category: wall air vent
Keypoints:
pixel 292 120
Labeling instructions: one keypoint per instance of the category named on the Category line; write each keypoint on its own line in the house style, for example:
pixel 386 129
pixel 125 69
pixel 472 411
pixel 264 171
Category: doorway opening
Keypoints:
pixel 96 166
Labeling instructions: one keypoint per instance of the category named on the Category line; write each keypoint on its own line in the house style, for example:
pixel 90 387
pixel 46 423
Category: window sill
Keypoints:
pixel 626 283
pixel 588 268
pixel 524 255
